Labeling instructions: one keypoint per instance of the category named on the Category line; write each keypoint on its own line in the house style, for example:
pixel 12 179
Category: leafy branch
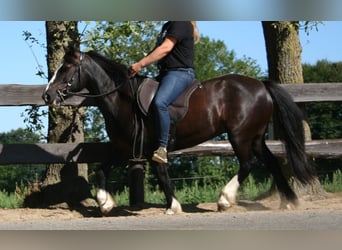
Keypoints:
pixel 30 40
pixel 33 115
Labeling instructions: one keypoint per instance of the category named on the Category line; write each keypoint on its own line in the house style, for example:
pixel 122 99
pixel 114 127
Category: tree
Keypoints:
pixel 212 58
pixel 285 66
pixel 126 42
pixel 63 184
pixel 283 51
pixel 19 136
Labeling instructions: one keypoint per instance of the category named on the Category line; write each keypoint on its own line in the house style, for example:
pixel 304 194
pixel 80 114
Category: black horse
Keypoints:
pixel 238 105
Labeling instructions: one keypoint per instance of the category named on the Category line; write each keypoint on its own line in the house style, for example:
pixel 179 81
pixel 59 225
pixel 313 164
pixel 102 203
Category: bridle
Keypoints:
pixel 62 93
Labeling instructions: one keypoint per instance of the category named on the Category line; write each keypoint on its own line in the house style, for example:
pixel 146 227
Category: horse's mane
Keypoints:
pixel 116 71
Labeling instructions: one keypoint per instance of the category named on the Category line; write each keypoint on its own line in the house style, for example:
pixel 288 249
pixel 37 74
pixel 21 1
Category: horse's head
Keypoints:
pixel 66 79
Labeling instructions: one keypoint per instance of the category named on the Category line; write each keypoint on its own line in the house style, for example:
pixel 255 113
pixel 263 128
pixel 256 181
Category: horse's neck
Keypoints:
pixel 116 107
pixel 118 118
pixel 99 82
pixel 112 106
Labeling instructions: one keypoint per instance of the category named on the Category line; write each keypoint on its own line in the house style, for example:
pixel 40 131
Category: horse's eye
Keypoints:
pixel 66 80
pixel 64 69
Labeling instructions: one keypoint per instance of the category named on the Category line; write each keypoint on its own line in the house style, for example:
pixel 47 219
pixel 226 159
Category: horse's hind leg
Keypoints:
pixel 287 195
pixel 172 204
pixel 243 151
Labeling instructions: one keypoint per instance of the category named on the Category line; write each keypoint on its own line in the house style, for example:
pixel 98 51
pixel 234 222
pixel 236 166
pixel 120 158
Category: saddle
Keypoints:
pixel 177 109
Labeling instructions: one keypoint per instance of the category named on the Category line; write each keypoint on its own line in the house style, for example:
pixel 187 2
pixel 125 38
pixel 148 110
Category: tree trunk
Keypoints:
pixel 64 185
pixel 285 66
pixel 283 51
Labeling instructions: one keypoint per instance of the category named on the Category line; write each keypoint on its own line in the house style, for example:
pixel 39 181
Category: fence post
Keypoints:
pixel 136 181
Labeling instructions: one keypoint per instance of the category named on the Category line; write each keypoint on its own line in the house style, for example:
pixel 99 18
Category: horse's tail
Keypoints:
pixel 289 118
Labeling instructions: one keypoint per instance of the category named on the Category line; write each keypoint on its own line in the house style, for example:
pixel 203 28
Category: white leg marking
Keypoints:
pixel 176 208
pixel 289 205
pixel 228 194
pixel 105 200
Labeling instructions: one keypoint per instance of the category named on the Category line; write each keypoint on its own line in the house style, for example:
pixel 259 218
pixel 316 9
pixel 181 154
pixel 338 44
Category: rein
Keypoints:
pixel 66 91
pixel 88 95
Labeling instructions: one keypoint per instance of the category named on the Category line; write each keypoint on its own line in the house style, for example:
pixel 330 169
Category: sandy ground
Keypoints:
pixel 332 203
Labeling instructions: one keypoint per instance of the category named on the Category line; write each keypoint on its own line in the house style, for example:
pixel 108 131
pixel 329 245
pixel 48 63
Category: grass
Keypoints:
pixel 334 185
pixel 9 200
pixel 189 194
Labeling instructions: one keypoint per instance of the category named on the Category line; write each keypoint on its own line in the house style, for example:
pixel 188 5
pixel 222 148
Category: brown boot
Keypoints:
pixel 160 155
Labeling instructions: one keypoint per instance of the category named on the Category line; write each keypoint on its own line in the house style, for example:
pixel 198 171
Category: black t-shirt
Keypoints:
pixel 182 55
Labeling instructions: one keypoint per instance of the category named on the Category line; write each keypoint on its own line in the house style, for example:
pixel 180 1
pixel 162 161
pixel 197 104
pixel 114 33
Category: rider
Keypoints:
pixel 174 53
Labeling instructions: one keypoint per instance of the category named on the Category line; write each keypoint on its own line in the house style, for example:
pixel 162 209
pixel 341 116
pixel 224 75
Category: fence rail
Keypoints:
pixel 20 95
pixel 41 153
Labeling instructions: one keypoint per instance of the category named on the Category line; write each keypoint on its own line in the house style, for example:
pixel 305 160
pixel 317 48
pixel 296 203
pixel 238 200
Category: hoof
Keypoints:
pixel 289 205
pixel 106 202
pixel 175 208
pixel 223 206
pixel 169 211
pixel 225 202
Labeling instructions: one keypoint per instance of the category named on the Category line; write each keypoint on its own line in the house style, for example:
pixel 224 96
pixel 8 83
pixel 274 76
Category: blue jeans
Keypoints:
pixel 171 84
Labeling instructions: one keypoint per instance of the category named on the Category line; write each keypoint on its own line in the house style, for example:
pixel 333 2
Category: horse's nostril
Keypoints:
pixel 46 98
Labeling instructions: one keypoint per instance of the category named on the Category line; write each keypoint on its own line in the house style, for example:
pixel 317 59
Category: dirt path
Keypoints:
pixel 263 214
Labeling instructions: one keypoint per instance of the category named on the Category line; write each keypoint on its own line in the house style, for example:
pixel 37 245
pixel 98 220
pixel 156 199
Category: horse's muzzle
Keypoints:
pixel 46 97
pixel 49 100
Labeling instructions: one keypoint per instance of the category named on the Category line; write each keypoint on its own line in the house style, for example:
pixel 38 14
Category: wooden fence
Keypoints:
pixel 23 95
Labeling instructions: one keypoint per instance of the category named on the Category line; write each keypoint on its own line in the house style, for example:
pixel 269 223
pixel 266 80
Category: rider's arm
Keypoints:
pixel 157 54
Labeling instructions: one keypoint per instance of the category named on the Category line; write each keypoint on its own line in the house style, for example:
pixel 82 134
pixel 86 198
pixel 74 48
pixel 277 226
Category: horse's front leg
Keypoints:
pixel 172 204
pixel 104 198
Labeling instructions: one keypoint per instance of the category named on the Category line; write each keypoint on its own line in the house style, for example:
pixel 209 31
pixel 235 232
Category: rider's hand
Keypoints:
pixel 135 68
